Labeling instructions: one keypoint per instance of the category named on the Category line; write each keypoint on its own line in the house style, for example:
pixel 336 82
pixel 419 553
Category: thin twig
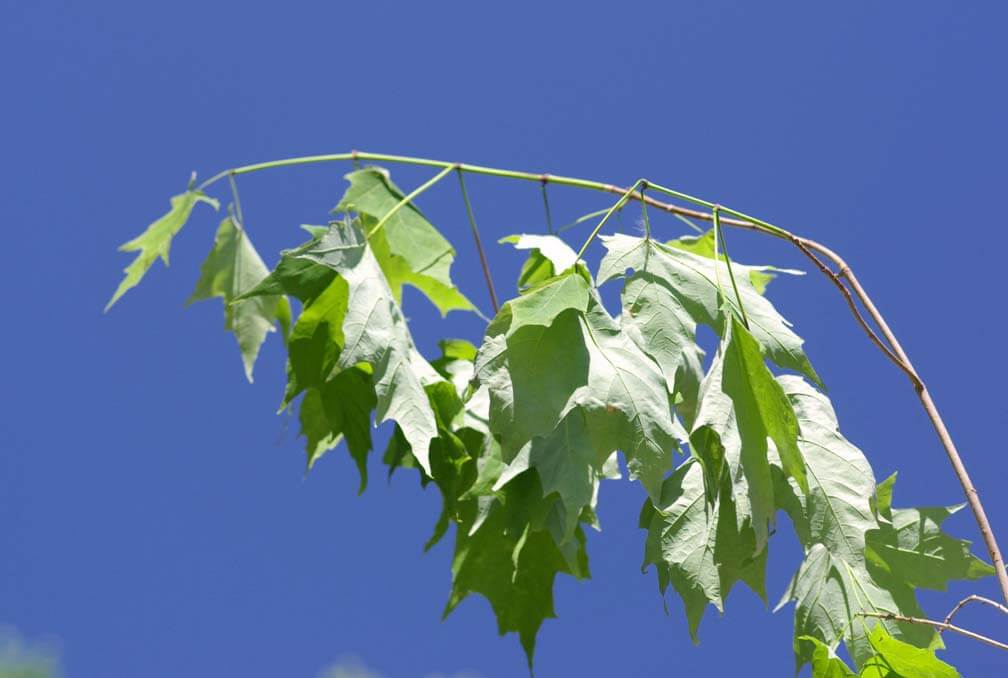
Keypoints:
pixel 974 599
pixel 835 279
pixel 408 199
pixel 546 205
pixel 612 210
pixel 479 243
pixel 938 625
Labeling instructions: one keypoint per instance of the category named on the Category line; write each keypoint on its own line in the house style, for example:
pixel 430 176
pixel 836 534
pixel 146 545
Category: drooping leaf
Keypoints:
pixel 512 562
pixel 409 250
pixel 555 349
pixel 694 281
pixel 373 331
pixel 825 663
pixel 741 406
pixel 155 241
pixel 232 268
pixel 913 548
pixel 658 324
pixel 907 661
pixel 339 409
pixel 835 511
pixel 317 339
pixel 703 245
pixel 548 256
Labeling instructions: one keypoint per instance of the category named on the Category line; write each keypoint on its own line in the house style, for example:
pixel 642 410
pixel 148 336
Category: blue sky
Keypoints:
pixel 154 519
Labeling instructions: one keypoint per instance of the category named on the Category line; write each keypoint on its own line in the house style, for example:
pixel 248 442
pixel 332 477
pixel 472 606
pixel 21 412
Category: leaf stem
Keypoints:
pixel 409 198
pixel 237 201
pixel 612 210
pixel 583 218
pixel 942 626
pixel 479 242
pixel 546 206
pixel 719 235
pixel 644 214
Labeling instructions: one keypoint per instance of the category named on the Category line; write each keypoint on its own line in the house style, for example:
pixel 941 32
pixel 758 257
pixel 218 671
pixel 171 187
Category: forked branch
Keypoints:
pixel 941 626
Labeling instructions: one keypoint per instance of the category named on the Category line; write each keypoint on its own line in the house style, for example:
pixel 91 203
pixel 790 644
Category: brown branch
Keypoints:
pixel 943 626
pixel 977 599
pixel 479 242
pixel 835 279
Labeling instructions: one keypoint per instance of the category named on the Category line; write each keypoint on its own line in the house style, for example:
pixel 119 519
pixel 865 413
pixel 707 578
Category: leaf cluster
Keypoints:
pixel 518 433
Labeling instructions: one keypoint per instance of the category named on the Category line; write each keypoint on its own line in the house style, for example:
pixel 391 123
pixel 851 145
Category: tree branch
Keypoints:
pixel 971 599
pixel 894 351
pixel 943 626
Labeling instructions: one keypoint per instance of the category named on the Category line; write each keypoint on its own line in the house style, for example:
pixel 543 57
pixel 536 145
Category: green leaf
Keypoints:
pixel 825 664
pixel 296 277
pixel 907 660
pixel 835 511
pixel 569 465
pixel 830 595
pixel 741 406
pixel 408 248
pixel 658 324
pixel 703 245
pixel 512 562
pixel 555 349
pixel 914 549
pixel 155 241
pixel 549 256
pixel 232 268
pixel 317 338
pixel 339 409
pixel 702 549
pixel 373 332
pixel 693 279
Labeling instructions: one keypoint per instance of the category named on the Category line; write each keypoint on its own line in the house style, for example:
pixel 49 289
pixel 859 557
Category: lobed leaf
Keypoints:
pixel 409 250
pixel 232 268
pixel 156 239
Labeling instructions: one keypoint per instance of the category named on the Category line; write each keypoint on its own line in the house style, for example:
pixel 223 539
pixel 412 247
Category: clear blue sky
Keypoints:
pixel 153 514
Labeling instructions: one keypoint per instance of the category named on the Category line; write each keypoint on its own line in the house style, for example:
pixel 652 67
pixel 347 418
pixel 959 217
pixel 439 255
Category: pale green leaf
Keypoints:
pixel 703 245
pixel 741 406
pixel 374 332
pixel 155 241
pixel 548 256
pixel 914 548
pixel 546 354
pixel 408 248
pixel 232 268
pixel 693 279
